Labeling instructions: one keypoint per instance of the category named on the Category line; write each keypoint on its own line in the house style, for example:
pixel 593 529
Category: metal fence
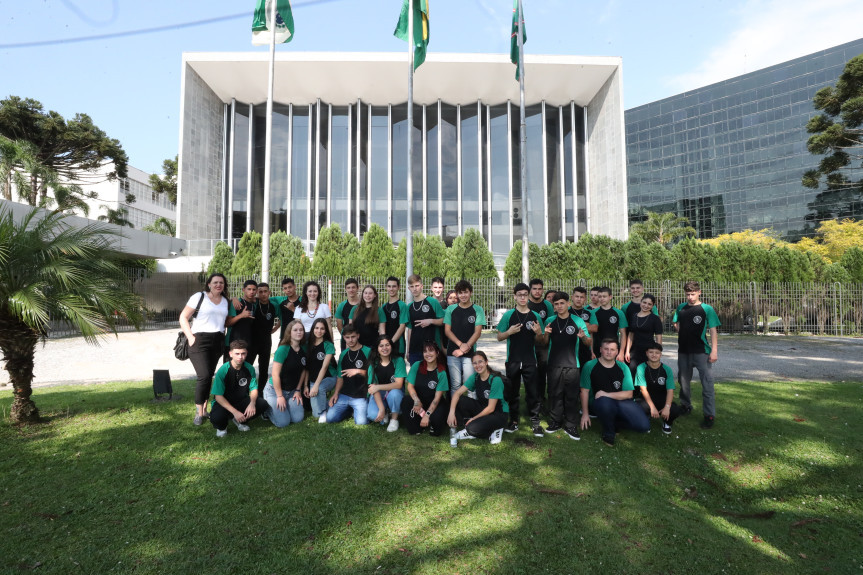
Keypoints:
pixel 749 307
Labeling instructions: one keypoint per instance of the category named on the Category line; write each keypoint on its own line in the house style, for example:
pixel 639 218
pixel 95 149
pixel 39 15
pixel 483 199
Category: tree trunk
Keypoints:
pixel 18 344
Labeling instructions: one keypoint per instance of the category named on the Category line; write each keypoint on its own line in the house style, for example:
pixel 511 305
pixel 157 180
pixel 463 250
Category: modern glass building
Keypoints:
pixel 730 156
pixel 340 147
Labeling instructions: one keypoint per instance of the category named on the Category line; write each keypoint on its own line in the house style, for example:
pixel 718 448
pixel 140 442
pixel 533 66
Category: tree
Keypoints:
pixel 695 260
pixel 555 261
pixel 833 238
pixel 50 271
pixel 637 259
pixel 163 226
pixel 767 238
pixel 600 258
pixel 837 134
pixel 247 262
pixel 223 259
pixel 352 265
pixel 852 261
pixel 469 257
pixel 167 183
pixel 327 257
pixel 116 217
pixel 512 268
pixel 377 253
pixel 430 257
pixel 75 150
pixel 664 228
pixel 287 257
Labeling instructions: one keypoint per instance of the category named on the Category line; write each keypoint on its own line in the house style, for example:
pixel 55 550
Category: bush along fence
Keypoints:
pixel 743 307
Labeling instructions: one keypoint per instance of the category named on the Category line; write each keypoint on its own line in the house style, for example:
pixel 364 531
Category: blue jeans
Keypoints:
pixel 292 414
pixel 392 403
pixel 623 413
pixel 460 368
pixel 339 411
pixel 319 402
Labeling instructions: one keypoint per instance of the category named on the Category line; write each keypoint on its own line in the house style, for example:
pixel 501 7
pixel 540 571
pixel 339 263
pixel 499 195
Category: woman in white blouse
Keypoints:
pixel 206 335
pixel 310 307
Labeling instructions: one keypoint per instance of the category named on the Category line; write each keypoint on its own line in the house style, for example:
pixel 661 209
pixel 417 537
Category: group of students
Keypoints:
pixel 417 365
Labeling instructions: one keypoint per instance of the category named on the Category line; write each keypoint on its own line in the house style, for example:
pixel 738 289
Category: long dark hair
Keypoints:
pixel 328 335
pixel 304 301
pixel 441 358
pixel 492 372
pixel 374 357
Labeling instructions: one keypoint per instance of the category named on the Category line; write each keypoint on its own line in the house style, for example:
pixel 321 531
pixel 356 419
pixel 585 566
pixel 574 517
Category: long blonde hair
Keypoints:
pixel 286 340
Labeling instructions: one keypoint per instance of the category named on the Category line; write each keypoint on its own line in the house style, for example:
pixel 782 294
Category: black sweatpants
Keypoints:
pixel 482 427
pixel 411 421
pixel 564 395
pixel 204 355
pixel 220 417
pixel 659 402
pixel 541 373
pixel 516 373
pixel 261 350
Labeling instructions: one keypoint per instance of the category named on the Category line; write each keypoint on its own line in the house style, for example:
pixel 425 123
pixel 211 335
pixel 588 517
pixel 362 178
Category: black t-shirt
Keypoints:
pixel 541 309
pixel 237 383
pixel 368 331
pixel 262 327
pixel 426 386
pixel 287 316
pixel 584 352
pixel 427 308
pixel 608 321
pixel 292 368
pixel 520 346
pixel 563 342
pixel 355 386
pixel 643 329
pixel 608 379
pixel 385 374
pixel 244 328
pixel 657 383
pixel 692 319
pixel 463 322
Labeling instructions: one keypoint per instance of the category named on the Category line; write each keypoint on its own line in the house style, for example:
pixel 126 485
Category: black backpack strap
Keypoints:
pixel 198 307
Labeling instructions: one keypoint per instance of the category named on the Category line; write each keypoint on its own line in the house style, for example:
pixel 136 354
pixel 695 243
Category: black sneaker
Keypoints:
pixel 685 409
pixel 572 432
pixel 511 428
pixel 666 428
pixel 707 423
pixel 608 440
pixel 552 427
pixel 537 430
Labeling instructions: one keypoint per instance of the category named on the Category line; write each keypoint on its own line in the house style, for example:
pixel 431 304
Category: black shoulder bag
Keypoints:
pixel 181 347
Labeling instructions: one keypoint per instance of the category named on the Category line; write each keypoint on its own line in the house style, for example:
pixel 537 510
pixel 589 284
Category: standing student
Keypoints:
pixel 594 299
pixel 287 303
pixel 485 416
pixel 577 301
pixel 397 316
pixel 426 317
pixel 387 373
pixel 609 383
pixel 694 321
pixel 632 307
pixel 265 324
pixel 343 310
pixel 450 299
pixel 437 290
pixel 424 406
pixel 368 317
pixel 241 317
pixel 655 381
pixel 284 391
pixel 322 367
pixel 611 321
pixel 462 326
pixel 206 335
pixel 544 309
pixel 352 384
pixel 235 389
pixel 644 329
pixel 311 307
pixel 565 333
pixel 520 327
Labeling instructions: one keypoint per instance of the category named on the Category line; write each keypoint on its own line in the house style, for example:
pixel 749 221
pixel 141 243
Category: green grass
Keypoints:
pixel 116 483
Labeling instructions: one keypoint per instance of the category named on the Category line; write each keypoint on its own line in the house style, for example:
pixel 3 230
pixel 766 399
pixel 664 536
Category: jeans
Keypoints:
pixel 392 403
pixel 319 402
pixel 293 413
pixel 339 411
pixel 685 363
pixel 204 355
pixel 623 413
pixel 459 368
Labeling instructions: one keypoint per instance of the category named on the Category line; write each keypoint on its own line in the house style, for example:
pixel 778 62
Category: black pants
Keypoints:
pixel 636 357
pixel 411 421
pixel 482 427
pixel 564 396
pixel 659 403
pixel 541 373
pixel 204 355
pixel 516 372
pixel 220 417
pixel 260 350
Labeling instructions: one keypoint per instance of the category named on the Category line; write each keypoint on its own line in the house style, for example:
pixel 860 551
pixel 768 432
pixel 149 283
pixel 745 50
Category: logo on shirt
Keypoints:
pixel 660 381
pixel 612 319
pixel 529 325
pixel 696 320
pixel 471 319
pixel 269 316
pixel 542 314
pixel 303 360
pixel 359 363
pixel 570 329
pixel 426 308
pixel 394 314
pixel 392 379
pixel 486 393
pixel 616 385
pixel 243 382
pixel 320 356
pixel 431 385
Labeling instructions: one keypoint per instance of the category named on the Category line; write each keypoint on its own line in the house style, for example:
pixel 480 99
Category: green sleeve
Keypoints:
pixel 592 320
pixel 350 315
pixel 621 318
pixel 447 316
pixel 712 318
pixel 436 307
pixel 400 367
pixel 218 387
pixel 232 312
pixel 372 376
pixel 538 319
pixel 367 351
pixel 549 308
pixel 405 316
pixel 496 388
pixel 654 310
pixel 339 362
pixel 480 315
pixel 470 382
pixel 680 307
pixel 281 354
pixel 329 348
pixel 627 377
pixel 278 299
pixel 339 308
pixel 412 374
pixel 585 374
pixel 669 377
pixel 253 385
pixel 579 323
pixel 625 307
pixel 548 320
pixel 442 382
pixel 640 380
pixel 503 325
pixel 382 317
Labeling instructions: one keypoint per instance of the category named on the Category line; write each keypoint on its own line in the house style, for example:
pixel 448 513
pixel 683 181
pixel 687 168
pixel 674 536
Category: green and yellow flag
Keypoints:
pixel 283 27
pixel 421 28
pixel 513 47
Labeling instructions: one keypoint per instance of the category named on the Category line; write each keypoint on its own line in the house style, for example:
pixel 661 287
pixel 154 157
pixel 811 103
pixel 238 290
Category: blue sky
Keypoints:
pixel 130 85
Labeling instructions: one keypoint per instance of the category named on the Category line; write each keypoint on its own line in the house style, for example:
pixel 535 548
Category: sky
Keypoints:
pixel 129 83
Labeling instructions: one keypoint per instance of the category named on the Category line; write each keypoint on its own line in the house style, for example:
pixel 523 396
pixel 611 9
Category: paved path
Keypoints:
pixel 134 356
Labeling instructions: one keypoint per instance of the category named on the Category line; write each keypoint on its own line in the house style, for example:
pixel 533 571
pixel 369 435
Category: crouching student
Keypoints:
pixel 655 380
pixel 485 416
pixel 386 384
pixel 322 368
pixel 284 391
pixel 236 389
pixel 609 382
pixel 352 384
pixel 424 406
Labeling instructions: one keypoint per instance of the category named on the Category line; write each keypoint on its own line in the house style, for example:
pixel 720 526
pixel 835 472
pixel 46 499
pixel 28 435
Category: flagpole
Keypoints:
pixel 409 268
pixel 268 152
pixel 522 148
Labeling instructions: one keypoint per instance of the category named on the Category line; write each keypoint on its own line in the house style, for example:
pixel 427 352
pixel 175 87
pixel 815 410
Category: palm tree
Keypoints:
pixel 50 270
pixel 162 225
pixel 116 217
pixel 663 228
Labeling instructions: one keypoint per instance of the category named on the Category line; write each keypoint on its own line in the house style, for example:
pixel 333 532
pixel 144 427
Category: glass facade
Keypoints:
pixel 730 156
pixel 348 165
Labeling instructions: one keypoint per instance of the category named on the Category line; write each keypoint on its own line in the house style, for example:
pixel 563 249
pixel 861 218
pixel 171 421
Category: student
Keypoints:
pixel 241 317
pixel 426 317
pixel 451 299
pixel 265 324
pixel 437 289
pixel 462 326
pixel 594 299
pixel 549 296
pixel 322 368
pixel 611 321
pixel 484 416
pixel 235 388
pixel 577 301
pixel 352 383
pixel 609 383
pixel 644 329
pixel 632 307
pixel 387 375
pixel 311 307
pixel 424 406
pixel 343 310
pixel 284 391
pixel 565 334
pixel 656 384
pixel 520 327
pixel 694 320
pixel 544 309
pixel 397 316
pixel 287 303
pixel 368 317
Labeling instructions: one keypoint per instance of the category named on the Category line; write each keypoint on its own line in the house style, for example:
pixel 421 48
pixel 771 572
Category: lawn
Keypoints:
pixel 116 483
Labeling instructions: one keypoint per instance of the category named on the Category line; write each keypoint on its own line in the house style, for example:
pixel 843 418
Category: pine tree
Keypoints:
pixel 469 257
pixel 327 258
pixel 247 262
pixel 512 266
pixel 223 260
pixel 377 253
pixel 287 257
pixel 352 264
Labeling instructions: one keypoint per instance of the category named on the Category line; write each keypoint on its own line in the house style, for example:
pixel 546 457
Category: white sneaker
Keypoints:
pixel 394 425
pixel 496 436
pixel 322 418
pixel 221 432
pixel 241 426
pixel 463 434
